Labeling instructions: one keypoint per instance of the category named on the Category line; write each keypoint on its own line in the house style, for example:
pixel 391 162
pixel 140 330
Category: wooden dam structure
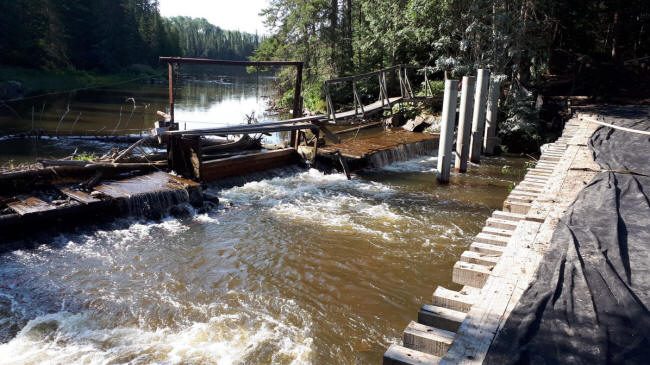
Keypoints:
pixel 188 157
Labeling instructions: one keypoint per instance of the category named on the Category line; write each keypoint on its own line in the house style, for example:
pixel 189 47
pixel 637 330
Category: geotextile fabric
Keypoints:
pixel 588 303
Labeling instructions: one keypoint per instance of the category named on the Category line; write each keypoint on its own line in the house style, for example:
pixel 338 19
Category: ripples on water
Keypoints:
pixel 308 268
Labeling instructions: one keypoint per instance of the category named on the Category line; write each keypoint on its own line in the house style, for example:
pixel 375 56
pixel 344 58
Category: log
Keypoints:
pixel 131 148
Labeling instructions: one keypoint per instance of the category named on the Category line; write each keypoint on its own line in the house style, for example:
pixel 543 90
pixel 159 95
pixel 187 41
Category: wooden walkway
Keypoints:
pixel 367 109
pixel 458 327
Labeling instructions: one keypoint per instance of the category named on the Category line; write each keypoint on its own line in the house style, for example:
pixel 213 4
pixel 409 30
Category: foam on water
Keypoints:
pixel 69 338
pixel 210 288
pixel 311 196
pixel 424 164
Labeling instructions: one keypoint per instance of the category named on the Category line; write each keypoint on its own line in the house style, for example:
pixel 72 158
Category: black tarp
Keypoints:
pixel 588 303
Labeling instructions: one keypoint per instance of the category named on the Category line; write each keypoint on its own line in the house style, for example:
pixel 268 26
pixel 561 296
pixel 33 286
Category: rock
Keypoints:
pixel 434 124
pixel 180 211
pixel 212 198
pixel 417 125
pixel 394 121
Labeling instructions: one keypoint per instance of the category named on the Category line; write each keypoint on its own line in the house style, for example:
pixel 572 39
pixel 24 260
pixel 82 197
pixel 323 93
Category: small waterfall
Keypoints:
pixel 230 182
pixel 156 204
pixel 402 152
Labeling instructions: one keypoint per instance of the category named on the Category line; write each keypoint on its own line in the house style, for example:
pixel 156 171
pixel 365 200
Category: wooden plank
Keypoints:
pixel 451 299
pixel 246 164
pixel 473 257
pixel 473 275
pixel 484 317
pixel 429 340
pixel 78 195
pixel 440 317
pixel 497 231
pixel 400 355
pixel 30 205
pixel 486 248
pixel 501 223
pixel 491 239
pixel 514 217
pixel 369 109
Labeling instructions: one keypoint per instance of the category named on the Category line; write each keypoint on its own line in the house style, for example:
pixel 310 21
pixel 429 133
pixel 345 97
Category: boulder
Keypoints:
pixel 419 124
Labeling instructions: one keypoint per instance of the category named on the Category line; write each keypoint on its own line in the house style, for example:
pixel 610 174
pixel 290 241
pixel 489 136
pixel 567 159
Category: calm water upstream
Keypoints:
pixel 127 109
pixel 302 269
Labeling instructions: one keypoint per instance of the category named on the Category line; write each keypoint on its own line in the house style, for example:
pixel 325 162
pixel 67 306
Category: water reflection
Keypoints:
pixel 200 103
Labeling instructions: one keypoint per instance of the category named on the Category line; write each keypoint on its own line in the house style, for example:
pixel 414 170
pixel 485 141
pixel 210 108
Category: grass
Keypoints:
pixel 85 156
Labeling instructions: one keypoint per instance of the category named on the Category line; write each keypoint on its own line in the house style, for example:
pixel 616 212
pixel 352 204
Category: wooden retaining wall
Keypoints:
pixel 459 326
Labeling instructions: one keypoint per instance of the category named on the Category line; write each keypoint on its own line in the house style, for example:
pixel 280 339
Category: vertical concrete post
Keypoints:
pixel 447 130
pixel 478 118
pixel 464 123
pixel 491 139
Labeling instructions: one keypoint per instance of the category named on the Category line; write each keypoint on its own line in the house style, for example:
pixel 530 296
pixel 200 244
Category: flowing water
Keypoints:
pixel 304 268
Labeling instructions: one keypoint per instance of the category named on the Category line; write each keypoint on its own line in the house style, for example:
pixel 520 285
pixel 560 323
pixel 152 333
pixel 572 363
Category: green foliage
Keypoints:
pixel 85 156
pixel 437 87
pixel 107 35
pixel 514 39
pixel 199 38
pixel 408 111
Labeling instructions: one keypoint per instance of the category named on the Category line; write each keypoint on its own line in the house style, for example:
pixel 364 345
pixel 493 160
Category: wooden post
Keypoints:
pixel 170 77
pixel 316 133
pixel 447 130
pixel 297 98
pixel 491 139
pixel 297 93
pixel 478 118
pixel 381 90
pixel 464 123
pixel 407 84
pixel 185 155
pixel 357 99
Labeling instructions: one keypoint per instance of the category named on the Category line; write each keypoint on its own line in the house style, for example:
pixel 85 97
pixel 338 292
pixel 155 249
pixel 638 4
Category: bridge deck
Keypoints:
pixel 368 109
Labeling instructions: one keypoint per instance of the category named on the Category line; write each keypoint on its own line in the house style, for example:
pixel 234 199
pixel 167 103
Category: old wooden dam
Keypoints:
pixel 364 234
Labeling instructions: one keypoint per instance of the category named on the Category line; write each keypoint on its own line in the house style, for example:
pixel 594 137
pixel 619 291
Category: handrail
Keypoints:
pixel 208 61
pixel 251 127
pixel 361 76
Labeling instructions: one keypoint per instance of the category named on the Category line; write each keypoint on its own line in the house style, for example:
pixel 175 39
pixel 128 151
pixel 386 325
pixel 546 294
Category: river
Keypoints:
pixel 201 102
pixel 303 268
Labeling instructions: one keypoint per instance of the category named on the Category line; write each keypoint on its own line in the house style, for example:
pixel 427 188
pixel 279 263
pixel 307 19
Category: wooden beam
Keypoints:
pixel 400 355
pixel 464 124
pixel 478 116
pixel 427 339
pixel 447 131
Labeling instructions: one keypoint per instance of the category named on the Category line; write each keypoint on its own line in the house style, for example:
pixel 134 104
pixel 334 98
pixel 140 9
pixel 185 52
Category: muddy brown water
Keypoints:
pixel 304 268
pixel 301 269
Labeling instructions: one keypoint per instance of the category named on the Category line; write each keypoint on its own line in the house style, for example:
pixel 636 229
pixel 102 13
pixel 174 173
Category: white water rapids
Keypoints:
pixel 300 269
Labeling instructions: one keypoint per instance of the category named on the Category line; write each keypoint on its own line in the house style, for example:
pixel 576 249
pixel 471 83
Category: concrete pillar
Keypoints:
pixel 491 140
pixel 464 123
pixel 447 130
pixel 478 118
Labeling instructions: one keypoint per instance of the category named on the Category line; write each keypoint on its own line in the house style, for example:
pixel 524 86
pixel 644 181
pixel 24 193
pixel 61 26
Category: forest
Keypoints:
pixel 537 47
pixel 107 35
